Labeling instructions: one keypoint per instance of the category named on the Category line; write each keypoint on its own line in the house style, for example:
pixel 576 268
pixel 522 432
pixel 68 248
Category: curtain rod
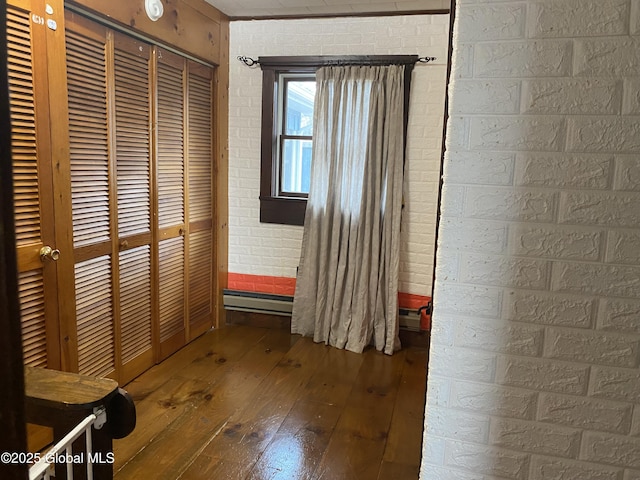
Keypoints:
pixel 334 61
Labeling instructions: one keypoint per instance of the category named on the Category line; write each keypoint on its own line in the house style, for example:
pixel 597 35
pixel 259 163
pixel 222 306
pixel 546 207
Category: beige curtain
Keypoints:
pixel 347 286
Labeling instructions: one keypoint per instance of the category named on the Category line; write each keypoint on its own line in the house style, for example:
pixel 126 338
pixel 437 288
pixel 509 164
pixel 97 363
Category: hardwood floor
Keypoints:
pixel 253 403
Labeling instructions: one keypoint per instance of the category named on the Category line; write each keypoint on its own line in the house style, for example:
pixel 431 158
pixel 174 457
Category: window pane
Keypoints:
pixel 296 166
pixel 299 107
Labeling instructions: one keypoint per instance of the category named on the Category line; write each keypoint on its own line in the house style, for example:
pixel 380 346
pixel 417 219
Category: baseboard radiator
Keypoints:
pixel 271 304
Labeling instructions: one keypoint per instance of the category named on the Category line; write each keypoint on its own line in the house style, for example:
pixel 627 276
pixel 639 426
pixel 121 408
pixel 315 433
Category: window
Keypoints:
pixel 288 92
pixel 294 122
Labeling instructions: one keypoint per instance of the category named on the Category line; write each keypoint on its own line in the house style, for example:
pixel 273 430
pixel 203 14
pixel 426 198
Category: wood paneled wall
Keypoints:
pixel 192 26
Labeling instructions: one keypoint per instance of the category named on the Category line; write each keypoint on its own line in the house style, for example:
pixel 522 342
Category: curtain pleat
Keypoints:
pixel 347 286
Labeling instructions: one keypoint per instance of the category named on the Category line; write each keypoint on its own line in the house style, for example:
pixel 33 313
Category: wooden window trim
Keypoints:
pixel 290 210
pixel 275 208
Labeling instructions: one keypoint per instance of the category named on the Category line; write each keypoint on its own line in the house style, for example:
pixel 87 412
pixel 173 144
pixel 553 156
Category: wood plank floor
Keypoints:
pixel 252 403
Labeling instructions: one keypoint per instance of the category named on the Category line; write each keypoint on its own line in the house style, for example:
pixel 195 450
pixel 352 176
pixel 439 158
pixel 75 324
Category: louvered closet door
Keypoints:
pixel 133 185
pixel 90 146
pixel 142 199
pixel 200 198
pixel 33 187
pixel 109 118
pixel 170 152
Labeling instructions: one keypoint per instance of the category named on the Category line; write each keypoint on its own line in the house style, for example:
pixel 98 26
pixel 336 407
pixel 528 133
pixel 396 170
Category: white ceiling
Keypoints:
pixel 284 8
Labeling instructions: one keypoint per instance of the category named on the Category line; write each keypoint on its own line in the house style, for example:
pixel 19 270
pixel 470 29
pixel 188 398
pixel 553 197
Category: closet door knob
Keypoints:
pixel 48 252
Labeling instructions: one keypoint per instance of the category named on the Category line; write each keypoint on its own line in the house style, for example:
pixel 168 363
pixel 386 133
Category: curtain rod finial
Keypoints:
pixel 248 61
pixel 426 59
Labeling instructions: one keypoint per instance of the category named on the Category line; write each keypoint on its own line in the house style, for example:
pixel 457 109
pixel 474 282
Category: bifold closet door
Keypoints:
pixel 131 126
pixel 141 173
pixel 170 152
pixel 201 246
pixel 185 199
pixel 109 121
pixel 33 181
pixel 90 147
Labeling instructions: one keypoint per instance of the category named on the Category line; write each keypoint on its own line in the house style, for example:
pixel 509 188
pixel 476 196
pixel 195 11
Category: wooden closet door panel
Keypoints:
pixel 200 134
pixel 170 161
pixel 131 127
pixel 33 181
pixel 94 312
pixel 89 139
pixel 170 140
pixel 171 295
pixel 200 281
pixel 135 311
pixel 90 154
pixel 32 312
pixel 200 209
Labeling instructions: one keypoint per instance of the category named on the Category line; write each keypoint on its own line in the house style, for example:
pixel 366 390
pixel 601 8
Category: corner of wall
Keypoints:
pixel 535 353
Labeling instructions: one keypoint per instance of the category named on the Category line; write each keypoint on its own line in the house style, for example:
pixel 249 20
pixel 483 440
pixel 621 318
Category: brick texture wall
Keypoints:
pixel 264 249
pixel 534 369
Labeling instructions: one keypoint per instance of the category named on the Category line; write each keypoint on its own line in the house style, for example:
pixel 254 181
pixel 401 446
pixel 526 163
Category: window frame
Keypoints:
pixel 275 207
pixel 290 209
pixel 280 127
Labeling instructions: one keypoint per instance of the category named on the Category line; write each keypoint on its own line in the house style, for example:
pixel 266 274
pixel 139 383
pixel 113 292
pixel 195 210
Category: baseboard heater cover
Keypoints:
pixel 255 302
pixel 271 304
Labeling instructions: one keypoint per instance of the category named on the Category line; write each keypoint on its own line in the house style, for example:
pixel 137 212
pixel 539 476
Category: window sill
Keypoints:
pixel 283 210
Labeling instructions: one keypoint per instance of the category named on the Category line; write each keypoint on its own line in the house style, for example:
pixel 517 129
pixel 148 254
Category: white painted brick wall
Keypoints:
pixel 572 96
pixel 510 204
pixel 535 356
pixel 497 462
pixel 564 171
pixel 632 475
pixel 540 58
pixel 599 134
pixel 607 57
pixel 475 428
pixel 494 336
pixel 553 468
pixel 549 309
pixel 585 413
pixel 619 315
pixel 552 242
pixel 265 249
pixel 535 437
pixel 485 168
pixel 542 374
pixel 631 103
pixel 611 449
pixel 575 18
pixel 627 173
pixel 615 383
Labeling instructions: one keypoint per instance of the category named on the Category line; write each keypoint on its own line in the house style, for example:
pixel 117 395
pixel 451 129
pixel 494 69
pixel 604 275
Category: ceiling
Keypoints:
pixel 311 8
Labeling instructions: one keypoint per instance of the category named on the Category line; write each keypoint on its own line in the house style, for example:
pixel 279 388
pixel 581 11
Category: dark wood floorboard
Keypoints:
pixel 245 402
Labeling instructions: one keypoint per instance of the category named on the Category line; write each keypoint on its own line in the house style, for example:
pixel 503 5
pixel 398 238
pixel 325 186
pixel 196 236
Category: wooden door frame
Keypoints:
pixel 12 414
pixel 59 108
